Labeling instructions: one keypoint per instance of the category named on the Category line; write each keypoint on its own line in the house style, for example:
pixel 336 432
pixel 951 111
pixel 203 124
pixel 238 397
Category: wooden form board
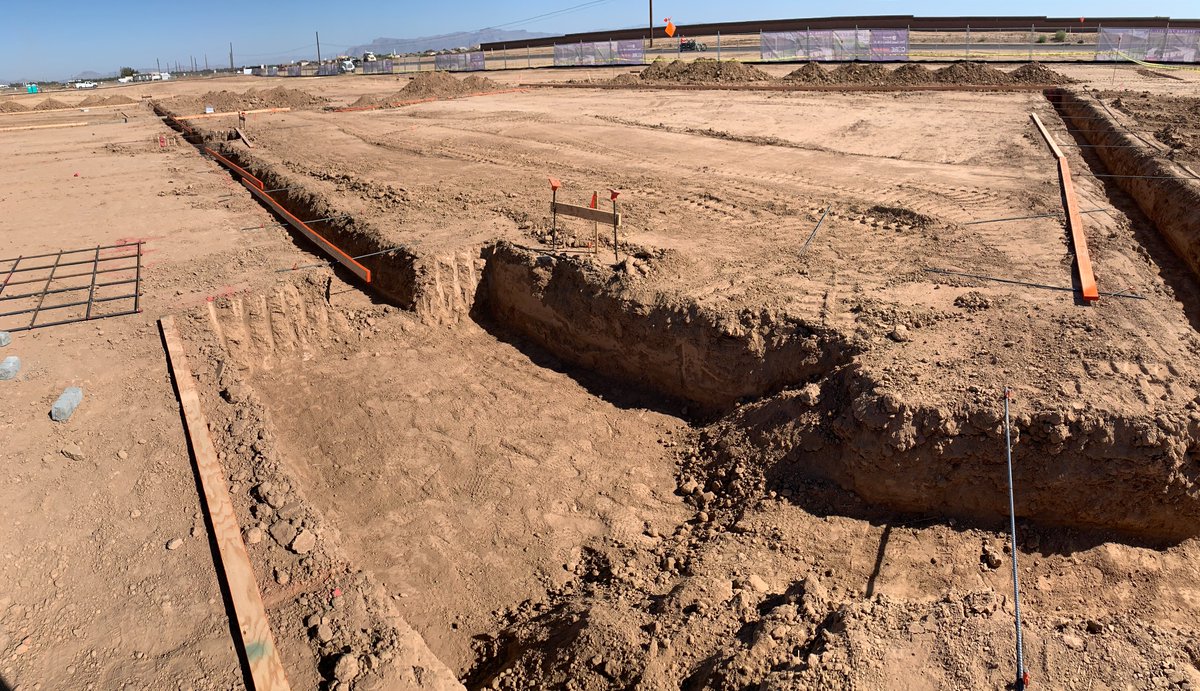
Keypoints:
pixel 586 213
pixel 257 641
pixel 328 247
pixel 1083 260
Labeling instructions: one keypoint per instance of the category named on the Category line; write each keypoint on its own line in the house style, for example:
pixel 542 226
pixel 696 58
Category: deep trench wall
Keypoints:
pixel 439 286
pixel 1172 204
pixel 577 312
pixel 1135 474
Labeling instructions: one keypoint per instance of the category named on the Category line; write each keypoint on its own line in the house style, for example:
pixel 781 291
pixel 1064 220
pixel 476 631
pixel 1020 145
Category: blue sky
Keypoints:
pixel 37 42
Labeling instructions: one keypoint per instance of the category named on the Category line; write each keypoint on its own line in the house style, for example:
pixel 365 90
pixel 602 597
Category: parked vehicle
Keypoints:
pixel 691 45
pixel 86 85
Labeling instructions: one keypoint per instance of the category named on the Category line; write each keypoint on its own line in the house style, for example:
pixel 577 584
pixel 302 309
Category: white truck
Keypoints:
pixel 86 85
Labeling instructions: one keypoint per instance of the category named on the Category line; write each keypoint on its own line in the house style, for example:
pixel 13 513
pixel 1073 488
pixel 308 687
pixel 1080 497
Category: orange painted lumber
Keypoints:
pixel 1083 260
pixel 256 639
pixel 235 167
pixel 331 249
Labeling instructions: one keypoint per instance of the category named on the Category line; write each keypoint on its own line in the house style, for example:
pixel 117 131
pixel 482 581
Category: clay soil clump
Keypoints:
pixel 704 70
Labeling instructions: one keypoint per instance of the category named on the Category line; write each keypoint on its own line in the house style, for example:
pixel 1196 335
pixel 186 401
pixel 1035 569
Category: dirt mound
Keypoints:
pixel 971 73
pixel 444 85
pixel 900 215
pixel 809 73
pixel 1037 73
pixel 430 85
pixel 627 79
pixel 92 100
pixel 118 100
pixel 911 73
pixel 704 70
pixel 51 104
pixel 12 107
pixel 859 73
pixel 253 99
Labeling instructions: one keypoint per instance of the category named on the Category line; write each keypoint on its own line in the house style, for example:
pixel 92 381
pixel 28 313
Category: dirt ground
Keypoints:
pixel 542 523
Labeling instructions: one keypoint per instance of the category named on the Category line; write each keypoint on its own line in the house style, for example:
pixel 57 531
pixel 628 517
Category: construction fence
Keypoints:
pixel 839 45
pixel 600 53
pixel 1154 45
pixel 1064 44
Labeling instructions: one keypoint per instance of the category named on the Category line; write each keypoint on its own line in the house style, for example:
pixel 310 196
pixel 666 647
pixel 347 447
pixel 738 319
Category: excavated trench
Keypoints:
pixel 428 441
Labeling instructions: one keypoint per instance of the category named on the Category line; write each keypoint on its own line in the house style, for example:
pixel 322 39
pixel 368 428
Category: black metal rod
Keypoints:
pixel 67 276
pixel 65 305
pixel 327 263
pixel 89 261
pixel 1029 284
pixel 42 299
pixel 10 273
pixel 65 252
pixel 92 289
pixel 315 220
pixel 1025 218
pixel 56 291
pixel 1022 680
pixel 71 321
pixel 137 288
pixel 813 234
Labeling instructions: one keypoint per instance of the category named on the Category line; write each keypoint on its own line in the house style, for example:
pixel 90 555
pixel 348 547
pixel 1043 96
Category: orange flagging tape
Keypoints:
pixel 1083 260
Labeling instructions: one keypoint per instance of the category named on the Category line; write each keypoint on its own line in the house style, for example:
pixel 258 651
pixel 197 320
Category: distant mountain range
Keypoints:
pixel 466 39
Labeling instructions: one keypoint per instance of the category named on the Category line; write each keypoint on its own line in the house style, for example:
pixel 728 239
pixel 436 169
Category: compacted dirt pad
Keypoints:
pixel 745 452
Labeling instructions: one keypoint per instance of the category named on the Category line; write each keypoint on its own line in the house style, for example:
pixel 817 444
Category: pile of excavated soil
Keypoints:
pixel 704 70
pixel 1037 73
pixel 92 100
pixel 51 104
pixel 253 99
pixel 809 73
pixel 860 73
pixel 431 85
pixel 118 100
pixel 971 73
pixel 627 79
pixel 12 107
pixel 911 73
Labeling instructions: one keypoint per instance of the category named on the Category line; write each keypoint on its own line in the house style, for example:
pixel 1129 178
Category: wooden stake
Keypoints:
pixel 256 640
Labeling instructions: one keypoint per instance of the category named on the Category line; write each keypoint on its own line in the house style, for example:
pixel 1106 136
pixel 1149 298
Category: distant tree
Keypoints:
pixel 128 71
pixel 1060 36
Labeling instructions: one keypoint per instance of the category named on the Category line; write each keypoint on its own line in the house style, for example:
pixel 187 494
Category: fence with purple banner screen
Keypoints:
pixel 599 53
pixel 1155 45
pixel 836 44
pixel 459 62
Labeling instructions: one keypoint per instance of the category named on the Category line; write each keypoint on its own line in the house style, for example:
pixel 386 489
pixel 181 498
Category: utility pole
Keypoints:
pixel 318 33
pixel 206 62
pixel 651 23
pixel 158 63
pixel 230 57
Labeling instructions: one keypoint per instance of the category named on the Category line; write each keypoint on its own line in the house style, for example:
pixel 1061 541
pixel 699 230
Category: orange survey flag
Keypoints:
pixel 670 27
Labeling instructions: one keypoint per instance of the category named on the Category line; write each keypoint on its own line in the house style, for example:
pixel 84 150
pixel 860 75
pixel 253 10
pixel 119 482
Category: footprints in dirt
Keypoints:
pixel 1151 381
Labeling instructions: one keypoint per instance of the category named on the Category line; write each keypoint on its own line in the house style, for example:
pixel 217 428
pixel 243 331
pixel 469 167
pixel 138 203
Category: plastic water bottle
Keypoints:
pixel 66 404
pixel 10 367
pixel 5 338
